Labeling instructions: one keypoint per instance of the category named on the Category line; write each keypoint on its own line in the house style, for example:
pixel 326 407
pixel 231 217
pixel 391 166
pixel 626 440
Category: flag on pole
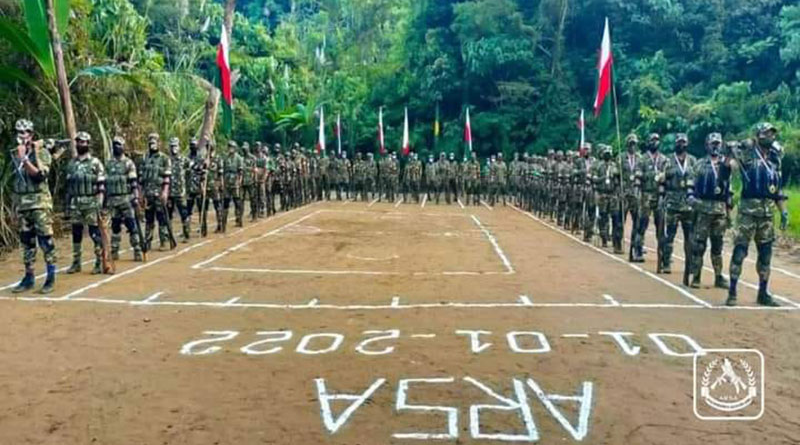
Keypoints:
pixel 321 140
pixel 339 133
pixel 406 145
pixel 605 62
pixel 468 133
pixel 223 62
pixel 381 145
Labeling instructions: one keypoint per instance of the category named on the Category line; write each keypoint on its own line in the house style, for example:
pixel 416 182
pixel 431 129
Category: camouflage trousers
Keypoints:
pixel 153 211
pixel 248 195
pixel 121 212
pixel 630 206
pixel 686 220
pixel 36 225
pixel 608 208
pixel 649 205
pixel 85 212
pixel 708 226
pixel 760 229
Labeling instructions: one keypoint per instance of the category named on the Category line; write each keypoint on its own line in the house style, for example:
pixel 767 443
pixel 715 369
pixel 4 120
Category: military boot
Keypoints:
pixel 50 281
pixel 98 267
pixel 26 283
pixel 731 301
pixel 720 282
pixel 764 297
pixel 115 254
pixel 137 256
pixel 695 284
pixel 186 233
pixel 618 247
pixel 75 267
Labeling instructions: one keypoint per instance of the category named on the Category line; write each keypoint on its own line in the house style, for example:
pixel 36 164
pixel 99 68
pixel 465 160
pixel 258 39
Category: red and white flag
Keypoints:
pixel 406 144
pixel 468 133
pixel 321 140
pixel 604 70
pixel 381 145
pixel 224 64
pixel 339 133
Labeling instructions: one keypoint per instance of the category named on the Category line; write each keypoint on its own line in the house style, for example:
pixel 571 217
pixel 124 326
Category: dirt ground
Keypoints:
pixel 358 323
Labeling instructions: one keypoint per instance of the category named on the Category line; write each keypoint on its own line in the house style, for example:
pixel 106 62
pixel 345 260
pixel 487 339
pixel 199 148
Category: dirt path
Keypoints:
pixel 356 323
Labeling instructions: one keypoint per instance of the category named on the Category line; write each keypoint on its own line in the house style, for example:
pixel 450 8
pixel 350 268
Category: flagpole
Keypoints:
pixel 619 144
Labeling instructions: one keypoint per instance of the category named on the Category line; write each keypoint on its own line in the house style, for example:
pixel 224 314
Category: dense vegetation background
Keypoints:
pixel 525 67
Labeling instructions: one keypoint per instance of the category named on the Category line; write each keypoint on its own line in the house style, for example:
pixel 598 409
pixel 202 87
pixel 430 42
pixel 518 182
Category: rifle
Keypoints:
pixel 162 208
pixel 108 262
pixel 137 219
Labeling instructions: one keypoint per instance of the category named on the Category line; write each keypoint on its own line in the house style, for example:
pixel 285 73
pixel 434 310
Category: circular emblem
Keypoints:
pixel 683 184
pixel 718 191
pixel 728 385
pixel 773 189
pixel 632 178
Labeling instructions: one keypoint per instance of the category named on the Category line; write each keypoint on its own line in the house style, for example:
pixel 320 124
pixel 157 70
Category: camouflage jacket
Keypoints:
pixel 650 168
pixel 677 181
pixel 120 175
pixel 180 173
pixel 156 170
pixel 32 193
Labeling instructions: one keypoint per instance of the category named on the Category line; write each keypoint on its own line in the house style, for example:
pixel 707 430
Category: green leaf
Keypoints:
pixel 11 75
pixel 21 42
pixel 106 71
pixel 36 19
pixel 62 16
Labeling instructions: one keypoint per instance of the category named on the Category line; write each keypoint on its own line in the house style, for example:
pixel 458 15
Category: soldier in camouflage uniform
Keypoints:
pixel 442 177
pixel 33 206
pixel 587 203
pixel 450 179
pixel 86 182
pixel 413 177
pixel 197 168
pixel 393 174
pixel 551 184
pixel 431 178
pixel 155 175
pixel 272 182
pixel 122 186
pixel 233 171
pixel 500 189
pixel 759 163
pixel 371 175
pixel 248 193
pixel 339 169
pixel 214 186
pixel 515 179
pixel 677 182
pixel 630 193
pixel 473 179
pixel 605 179
pixel 324 178
pixel 260 153
pixel 177 187
pixel 562 182
pixel 710 199
pixel 650 170
pixel 358 177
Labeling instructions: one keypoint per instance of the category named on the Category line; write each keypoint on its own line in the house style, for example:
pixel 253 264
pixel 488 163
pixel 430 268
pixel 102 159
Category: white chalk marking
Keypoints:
pixel 525 300
pixel 497 249
pixel 520 404
pixel 313 302
pixel 272 337
pixel 143 266
pixel 580 431
pixel 575 336
pixel 391 334
pixel 459 202
pixel 336 341
pixel 152 298
pixel 424 200
pixel 364 258
pixel 423 335
pixel 220 336
pixel 395 302
pixel 621 339
pixel 399 201
pixel 232 301
pixel 325 398
pixel 372 203
pixel 679 289
pixel 611 300
pixel 474 340
pixel 486 205
pixel 403 405
pixel 544 345
pixel 657 339
pixel 250 241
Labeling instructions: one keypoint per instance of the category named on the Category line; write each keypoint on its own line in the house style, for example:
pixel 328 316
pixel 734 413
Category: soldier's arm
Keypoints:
pixel 166 174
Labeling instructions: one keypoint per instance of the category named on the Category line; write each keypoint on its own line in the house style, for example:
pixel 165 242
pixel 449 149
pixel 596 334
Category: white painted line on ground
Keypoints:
pixel 373 202
pixel 680 290
pixel 233 301
pixel 423 335
pixel 486 205
pixel 575 336
pixel 59 270
pixel 459 202
pixel 152 298
pixel 251 240
pixel 143 266
pixel 611 300
pixel 497 248
pixel 313 302
pixel 399 201
pixel 424 200
pixel 395 301
pixel 525 300
pixel 298 272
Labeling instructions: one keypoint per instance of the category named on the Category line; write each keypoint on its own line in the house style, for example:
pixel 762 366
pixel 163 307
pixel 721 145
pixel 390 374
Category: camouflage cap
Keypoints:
pixel 713 137
pixel 174 142
pixel 153 136
pixel 604 148
pixel 653 137
pixel 118 140
pixel 764 127
pixel 681 137
pixel 23 125
pixel 233 144
pixel 246 145
pixel 193 142
pixel 632 138
pixel 83 136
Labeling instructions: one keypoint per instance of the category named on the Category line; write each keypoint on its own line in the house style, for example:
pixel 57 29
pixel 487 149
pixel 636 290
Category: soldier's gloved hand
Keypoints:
pixel 692 201
pixel 784 220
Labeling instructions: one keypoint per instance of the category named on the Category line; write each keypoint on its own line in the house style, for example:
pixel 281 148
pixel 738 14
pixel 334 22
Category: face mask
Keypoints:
pixel 652 147
pixel 766 141
pixel 631 148
pixel 82 149
pixel 152 146
pixel 118 150
pixel 193 149
pixel 680 149
pixel 606 156
pixel 713 150
pixel 174 151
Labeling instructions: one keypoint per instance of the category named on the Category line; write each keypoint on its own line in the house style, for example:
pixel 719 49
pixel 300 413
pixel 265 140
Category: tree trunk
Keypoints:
pixel 61 72
pixel 212 102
